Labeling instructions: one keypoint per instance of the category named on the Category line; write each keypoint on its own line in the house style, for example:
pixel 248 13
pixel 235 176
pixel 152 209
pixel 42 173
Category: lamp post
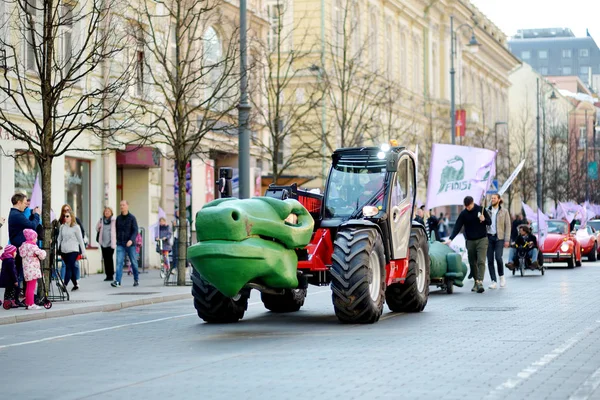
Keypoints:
pixel 496 143
pixel 319 71
pixel 473 46
pixel 539 154
pixel 243 112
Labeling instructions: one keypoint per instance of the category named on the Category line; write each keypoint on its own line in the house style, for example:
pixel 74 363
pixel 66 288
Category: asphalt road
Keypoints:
pixel 537 338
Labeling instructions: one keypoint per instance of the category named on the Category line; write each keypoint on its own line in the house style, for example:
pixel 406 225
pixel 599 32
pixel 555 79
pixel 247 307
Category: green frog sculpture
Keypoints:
pixel 447 269
pixel 252 240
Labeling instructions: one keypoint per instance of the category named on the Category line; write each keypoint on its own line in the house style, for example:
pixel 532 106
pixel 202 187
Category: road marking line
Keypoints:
pixel 110 328
pixel 532 369
pixel 588 387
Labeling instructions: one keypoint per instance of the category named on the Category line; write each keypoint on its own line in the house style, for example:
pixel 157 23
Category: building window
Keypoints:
pixel 26 170
pixel 356 30
pixel 403 59
pixel 566 53
pixel 389 55
pixel 582 137
pixel 584 70
pixel 67 36
pixel 584 53
pixel 543 54
pixel 77 189
pixel 566 70
pixel 213 54
pixel 30 35
pixel 416 64
pixel 544 70
pixel 139 63
pixel 275 15
pixel 525 55
pixel 374 41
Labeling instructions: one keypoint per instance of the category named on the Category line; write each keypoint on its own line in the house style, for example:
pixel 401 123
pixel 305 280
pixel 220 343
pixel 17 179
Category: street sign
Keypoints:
pixel 593 170
pixel 493 189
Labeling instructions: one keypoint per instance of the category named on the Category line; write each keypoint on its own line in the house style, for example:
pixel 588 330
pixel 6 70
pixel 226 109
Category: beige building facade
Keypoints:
pixel 408 44
pixel 93 177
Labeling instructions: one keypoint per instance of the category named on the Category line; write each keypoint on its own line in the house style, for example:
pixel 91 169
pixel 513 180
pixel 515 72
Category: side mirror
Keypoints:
pixel 392 162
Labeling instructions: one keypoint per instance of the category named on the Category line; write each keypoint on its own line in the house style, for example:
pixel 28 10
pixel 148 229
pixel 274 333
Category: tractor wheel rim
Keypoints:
pixel 420 270
pixel 375 272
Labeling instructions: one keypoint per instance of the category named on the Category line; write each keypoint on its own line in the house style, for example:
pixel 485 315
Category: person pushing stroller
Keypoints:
pixel 525 239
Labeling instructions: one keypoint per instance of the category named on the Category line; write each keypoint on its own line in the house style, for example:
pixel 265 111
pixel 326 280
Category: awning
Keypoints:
pixel 139 157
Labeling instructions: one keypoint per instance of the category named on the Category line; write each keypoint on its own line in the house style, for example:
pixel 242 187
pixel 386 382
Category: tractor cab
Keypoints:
pixel 375 185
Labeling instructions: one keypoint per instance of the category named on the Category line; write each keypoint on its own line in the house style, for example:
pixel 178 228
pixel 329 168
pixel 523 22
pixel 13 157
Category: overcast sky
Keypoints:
pixel 510 15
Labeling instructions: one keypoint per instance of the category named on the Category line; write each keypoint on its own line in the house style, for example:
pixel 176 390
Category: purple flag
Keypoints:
pixel 36 194
pixel 529 213
pixel 456 172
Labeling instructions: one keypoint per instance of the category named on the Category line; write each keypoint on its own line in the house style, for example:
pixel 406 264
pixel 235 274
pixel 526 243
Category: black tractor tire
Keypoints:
pixel 358 260
pixel 290 301
pixel 449 286
pixel 407 296
pixel 214 307
pixel 594 254
pixel 571 261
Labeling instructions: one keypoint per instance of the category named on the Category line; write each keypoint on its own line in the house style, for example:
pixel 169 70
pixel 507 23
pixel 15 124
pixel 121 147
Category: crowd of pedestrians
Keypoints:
pixel 487 231
pixel 21 257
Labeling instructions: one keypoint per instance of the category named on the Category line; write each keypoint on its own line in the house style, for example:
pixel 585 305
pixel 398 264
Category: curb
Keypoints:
pixel 92 309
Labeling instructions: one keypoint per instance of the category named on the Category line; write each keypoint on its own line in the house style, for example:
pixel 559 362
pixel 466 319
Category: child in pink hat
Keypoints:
pixel 9 278
pixel 31 254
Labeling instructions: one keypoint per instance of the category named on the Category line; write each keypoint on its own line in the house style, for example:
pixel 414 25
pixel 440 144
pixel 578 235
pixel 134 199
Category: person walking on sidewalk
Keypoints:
pixel 107 239
pixel 498 239
pixel 31 255
pixel 127 230
pixel 475 219
pixel 70 246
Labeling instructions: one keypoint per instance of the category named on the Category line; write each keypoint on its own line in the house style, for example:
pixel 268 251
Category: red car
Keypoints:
pixel 560 245
pixel 589 242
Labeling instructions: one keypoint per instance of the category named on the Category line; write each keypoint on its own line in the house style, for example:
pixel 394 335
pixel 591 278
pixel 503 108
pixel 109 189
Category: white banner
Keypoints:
pixel 511 178
pixel 456 172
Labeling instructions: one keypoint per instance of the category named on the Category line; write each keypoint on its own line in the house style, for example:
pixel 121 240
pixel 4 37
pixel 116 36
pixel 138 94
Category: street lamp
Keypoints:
pixel 243 112
pixel 319 71
pixel 539 156
pixel 473 47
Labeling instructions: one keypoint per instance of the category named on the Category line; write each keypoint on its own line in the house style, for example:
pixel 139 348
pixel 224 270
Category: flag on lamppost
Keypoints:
pixel 461 123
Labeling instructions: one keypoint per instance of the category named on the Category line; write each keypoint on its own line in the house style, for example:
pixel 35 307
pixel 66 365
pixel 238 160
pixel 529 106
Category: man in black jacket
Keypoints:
pixel 475 220
pixel 127 231
pixel 17 223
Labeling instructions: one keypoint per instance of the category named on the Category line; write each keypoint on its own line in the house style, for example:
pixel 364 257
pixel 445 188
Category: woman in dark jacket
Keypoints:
pixel 107 239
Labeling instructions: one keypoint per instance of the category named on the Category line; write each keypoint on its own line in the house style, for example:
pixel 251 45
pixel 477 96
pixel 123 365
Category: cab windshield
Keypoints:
pixel 352 186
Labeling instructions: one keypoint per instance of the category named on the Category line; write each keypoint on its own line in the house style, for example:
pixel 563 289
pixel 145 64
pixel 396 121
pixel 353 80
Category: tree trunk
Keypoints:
pixel 46 174
pixel 183 223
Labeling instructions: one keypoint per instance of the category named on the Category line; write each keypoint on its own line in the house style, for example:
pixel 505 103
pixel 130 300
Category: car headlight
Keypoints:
pixel 564 247
pixel 370 211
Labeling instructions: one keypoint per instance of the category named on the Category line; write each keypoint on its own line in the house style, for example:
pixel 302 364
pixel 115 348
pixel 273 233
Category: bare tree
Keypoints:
pixel 188 84
pixel 354 84
pixel 57 76
pixel 522 138
pixel 284 100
